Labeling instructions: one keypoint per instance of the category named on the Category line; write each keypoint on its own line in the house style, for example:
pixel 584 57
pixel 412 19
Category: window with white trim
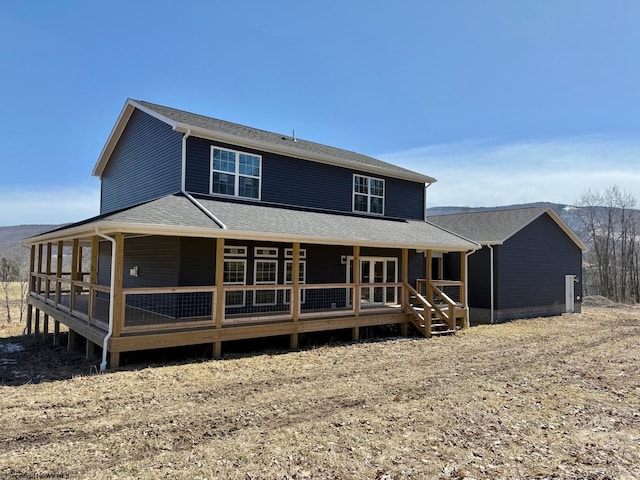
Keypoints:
pixel 266 252
pixel 235 273
pixel 368 194
pixel 288 253
pixel 288 278
pixel 235 173
pixel 265 273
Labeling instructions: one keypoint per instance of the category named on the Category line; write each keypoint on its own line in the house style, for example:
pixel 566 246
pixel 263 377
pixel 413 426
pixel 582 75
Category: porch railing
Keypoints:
pixel 162 308
pixel 84 300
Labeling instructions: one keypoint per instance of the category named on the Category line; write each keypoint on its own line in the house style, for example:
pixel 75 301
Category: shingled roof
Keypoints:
pixel 177 215
pixel 494 227
pixel 221 130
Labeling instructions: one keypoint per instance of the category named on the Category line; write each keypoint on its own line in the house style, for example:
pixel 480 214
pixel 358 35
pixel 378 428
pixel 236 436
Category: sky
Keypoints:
pixel 503 102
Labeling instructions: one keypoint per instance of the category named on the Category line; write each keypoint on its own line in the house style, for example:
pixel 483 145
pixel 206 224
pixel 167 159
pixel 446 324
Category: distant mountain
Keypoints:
pixel 10 237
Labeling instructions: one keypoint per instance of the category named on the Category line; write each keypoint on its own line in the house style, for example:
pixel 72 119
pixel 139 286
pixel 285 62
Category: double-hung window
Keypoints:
pixel 265 273
pixel 235 273
pixel 368 194
pixel 235 173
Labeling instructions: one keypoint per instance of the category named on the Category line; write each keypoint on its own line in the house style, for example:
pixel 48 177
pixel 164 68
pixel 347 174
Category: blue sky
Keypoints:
pixel 503 102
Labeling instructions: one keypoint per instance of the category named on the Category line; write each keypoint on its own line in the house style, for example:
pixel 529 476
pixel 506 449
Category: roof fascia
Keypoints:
pixel 566 229
pixel 129 106
pixel 556 218
pixel 145 229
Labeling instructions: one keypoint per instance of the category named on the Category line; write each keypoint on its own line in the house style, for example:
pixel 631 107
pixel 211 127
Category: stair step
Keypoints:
pixel 442 332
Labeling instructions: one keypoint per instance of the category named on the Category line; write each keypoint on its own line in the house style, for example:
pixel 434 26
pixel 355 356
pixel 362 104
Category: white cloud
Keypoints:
pixel 48 205
pixel 484 174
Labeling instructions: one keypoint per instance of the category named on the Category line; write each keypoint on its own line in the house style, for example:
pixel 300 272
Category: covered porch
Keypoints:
pixel 65 286
pixel 169 273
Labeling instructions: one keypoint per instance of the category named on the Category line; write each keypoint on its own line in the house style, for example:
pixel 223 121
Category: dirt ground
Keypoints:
pixel 553 398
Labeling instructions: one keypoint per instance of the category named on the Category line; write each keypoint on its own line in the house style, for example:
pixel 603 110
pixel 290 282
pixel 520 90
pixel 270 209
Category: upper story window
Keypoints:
pixel 235 173
pixel 368 194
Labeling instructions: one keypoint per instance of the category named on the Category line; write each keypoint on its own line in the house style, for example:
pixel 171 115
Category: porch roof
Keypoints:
pixel 178 215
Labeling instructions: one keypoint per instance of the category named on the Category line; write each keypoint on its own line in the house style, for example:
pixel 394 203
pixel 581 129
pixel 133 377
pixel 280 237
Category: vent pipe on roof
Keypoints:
pixel 293 136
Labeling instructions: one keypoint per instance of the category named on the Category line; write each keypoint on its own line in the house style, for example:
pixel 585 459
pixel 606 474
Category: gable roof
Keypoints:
pixel 177 215
pixel 494 227
pixel 228 132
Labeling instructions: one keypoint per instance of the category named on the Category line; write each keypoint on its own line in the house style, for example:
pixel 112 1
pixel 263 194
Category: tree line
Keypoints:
pixel 610 224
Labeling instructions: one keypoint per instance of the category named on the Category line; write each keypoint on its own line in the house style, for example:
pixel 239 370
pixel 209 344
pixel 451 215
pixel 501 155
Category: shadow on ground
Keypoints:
pixel 29 360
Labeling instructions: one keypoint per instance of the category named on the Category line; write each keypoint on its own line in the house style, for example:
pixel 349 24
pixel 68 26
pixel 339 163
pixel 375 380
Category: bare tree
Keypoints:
pixel 612 226
pixel 9 273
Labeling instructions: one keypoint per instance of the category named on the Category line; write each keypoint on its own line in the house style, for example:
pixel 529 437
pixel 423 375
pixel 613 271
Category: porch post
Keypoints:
pixel 59 258
pixel 429 274
pixel 93 275
pixel 32 268
pixel 295 295
pixel 356 279
pixel 47 283
pixel 39 280
pixel 404 328
pixel 36 327
pixel 74 273
pixel 32 263
pixel 220 297
pixel 95 252
pixel 463 289
pixel 118 299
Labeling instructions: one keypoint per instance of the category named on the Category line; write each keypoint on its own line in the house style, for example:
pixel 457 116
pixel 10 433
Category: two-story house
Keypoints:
pixel 211 231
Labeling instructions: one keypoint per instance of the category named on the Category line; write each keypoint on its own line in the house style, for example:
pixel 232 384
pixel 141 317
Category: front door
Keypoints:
pixel 373 273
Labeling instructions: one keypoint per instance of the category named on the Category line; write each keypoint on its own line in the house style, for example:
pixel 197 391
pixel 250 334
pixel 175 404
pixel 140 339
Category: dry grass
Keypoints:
pixel 540 398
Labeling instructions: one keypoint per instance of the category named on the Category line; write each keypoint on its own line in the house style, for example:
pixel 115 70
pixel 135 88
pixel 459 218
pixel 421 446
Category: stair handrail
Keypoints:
pixel 433 306
pixel 451 320
pixel 426 305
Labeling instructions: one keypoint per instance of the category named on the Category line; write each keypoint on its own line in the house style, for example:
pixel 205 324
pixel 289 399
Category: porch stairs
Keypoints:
pixel 430 318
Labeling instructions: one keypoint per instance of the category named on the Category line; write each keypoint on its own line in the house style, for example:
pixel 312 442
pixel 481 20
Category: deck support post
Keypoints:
pixel 355 334
pixel 295 295
pixel 71 343
pixel 29 318
pixel 36 327
pixel 218 313
pixel 56 332
pixel 356 280
pixel 90 349
pixel 404 327
pixel 45 327
pixel 114 360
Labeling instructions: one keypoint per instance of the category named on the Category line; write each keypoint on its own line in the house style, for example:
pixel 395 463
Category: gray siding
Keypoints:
pixel 480 278
pixel 292 181
pixel 533 264
pixel 145 164
pixel 156 258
